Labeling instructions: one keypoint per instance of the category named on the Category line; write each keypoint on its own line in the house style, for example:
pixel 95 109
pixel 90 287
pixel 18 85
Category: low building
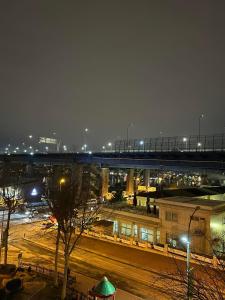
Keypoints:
pixel 127 225
pixel 207 224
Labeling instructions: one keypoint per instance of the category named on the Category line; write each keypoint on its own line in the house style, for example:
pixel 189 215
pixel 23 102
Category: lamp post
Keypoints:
pixel 110 146
pixel 199 126
pixel 185 140
pixel 187 240
pixel 61 181
pixel 128 127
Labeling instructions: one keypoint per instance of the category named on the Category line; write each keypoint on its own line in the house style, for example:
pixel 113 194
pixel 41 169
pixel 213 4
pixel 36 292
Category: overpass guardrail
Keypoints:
pixel 213 143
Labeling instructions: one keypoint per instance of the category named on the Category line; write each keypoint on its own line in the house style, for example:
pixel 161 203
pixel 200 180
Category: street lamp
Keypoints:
pixel 185 140
pixel 61 181
pixel 199 126
pixel 187 241
pixel 141 143
pixel 128 127
pixel 110 145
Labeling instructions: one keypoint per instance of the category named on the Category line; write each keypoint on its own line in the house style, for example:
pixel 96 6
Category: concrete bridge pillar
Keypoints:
pixel 105 181
pixel 146 177
pixel 130 182
pixel 29 169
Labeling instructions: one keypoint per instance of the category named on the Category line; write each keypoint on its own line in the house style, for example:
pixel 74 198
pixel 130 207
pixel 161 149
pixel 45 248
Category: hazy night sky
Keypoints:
pixel 67 65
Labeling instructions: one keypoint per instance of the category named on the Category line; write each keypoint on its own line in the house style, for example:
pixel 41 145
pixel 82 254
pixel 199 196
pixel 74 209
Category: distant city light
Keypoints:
pixel 89 152
pixel 25 150
pixel 141 142
pixel 34 192
pixel 86 129
pixel 32 153
pixel 199 144
pixel 184 139
pixel 109 144
pixel 103 147
pixel 30 136
pixel 64 147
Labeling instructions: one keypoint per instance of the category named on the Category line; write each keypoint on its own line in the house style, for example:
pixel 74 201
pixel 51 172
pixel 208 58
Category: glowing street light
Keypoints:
pixel 187 241
pixel 30 136
pixel 185 140
pixel 61 181
pixel 110 145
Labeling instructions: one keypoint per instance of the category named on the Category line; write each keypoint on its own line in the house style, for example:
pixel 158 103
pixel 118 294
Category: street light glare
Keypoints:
pixel 184 239
pixel 62 180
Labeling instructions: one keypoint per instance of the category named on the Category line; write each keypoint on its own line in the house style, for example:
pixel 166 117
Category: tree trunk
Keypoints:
pixel 6 235
pixel 66 264
pixel 56 256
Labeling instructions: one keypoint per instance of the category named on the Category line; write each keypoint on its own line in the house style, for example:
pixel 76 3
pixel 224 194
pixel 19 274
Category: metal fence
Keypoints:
pixel 173 144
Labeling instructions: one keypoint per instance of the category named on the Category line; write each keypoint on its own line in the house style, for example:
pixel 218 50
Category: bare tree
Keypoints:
pixel 207 281
pixel 69 195
pixel 11 197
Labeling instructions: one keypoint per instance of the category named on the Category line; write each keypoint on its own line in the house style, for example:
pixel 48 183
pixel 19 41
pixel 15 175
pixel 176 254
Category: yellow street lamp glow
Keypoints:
pixel 62 180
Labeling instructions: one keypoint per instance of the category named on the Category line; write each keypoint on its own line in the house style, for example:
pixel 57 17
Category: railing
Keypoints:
pixel 47 272
pixel 173 144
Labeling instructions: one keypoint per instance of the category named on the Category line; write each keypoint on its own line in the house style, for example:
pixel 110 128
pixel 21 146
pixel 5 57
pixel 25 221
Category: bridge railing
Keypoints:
pixel 169 144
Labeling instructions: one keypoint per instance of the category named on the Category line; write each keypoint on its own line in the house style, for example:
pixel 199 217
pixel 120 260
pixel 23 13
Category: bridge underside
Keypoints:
pixel 213 161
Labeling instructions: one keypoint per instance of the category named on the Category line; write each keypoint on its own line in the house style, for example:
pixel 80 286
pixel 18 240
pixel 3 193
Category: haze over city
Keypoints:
pixel 104 65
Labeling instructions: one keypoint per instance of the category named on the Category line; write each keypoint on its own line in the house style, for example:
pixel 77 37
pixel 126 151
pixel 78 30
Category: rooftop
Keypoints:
pixel 192 202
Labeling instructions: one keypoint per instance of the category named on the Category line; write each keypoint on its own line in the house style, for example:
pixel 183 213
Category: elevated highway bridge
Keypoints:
pixel 172 153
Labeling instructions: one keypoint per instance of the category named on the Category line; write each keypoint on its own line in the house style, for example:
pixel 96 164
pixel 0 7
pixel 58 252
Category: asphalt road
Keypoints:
pixel 137 271
pixel 131 269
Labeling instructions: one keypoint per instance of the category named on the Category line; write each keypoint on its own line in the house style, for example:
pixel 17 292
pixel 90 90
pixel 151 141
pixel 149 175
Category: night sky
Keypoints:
pixel 68 65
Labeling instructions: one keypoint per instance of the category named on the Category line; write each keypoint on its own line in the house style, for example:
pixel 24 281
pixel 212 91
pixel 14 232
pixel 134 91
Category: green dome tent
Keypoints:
pixel 103 290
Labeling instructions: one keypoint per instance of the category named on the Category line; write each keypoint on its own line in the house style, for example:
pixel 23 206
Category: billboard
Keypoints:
pixel 46 140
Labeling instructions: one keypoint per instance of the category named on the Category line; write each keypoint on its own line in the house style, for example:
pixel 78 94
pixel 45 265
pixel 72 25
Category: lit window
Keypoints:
pixel 147 235
pixel 135 230
pixel 126 229
pixel 115 227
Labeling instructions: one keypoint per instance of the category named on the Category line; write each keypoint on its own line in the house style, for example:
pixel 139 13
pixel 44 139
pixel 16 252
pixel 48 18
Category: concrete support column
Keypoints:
pixel 146 177
pixel 105 181
pixel 130 182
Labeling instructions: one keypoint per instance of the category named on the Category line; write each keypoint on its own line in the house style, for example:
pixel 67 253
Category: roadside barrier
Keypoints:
pixel 164 249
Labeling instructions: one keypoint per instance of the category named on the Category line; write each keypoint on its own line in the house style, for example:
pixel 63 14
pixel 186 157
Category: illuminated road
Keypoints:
pixel 131 269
